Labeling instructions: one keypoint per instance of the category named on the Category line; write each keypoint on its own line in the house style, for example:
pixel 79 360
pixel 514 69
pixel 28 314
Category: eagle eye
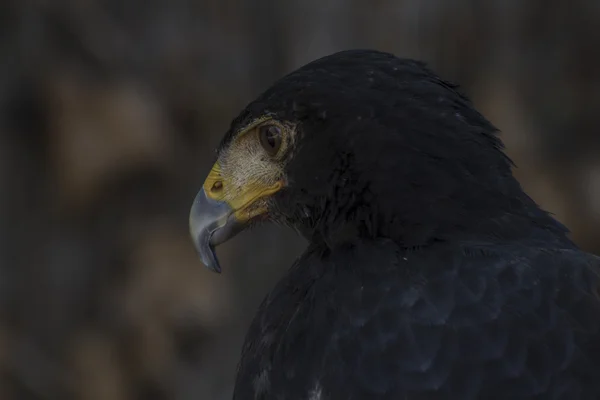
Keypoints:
pixel 270 138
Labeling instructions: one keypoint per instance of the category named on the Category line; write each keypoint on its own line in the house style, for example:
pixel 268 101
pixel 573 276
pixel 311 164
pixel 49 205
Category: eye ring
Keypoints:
pixel 270 138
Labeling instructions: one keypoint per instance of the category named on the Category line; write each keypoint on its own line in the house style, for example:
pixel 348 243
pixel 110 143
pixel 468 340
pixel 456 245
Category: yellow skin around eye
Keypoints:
pixel 246 175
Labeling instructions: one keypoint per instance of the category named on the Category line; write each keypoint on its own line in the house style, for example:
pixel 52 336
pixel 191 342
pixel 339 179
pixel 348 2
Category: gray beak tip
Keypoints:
pixel 211 223
pixel 207 254
pixel 213 262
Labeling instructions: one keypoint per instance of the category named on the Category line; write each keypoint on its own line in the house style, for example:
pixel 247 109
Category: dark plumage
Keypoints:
pixel 430 274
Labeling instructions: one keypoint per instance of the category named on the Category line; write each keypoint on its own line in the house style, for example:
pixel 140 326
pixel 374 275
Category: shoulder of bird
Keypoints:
pixel 475 321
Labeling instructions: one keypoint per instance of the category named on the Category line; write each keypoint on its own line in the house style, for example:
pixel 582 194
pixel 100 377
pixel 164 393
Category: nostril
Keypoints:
pixel 217 186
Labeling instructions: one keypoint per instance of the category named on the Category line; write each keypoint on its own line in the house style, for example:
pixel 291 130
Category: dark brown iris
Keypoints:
pixel 270 138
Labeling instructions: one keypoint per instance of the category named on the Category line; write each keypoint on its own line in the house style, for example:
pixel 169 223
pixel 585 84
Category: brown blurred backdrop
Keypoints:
pixel 110 110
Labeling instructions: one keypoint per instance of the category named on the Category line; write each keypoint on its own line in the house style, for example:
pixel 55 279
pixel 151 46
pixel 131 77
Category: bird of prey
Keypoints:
pixel 429 273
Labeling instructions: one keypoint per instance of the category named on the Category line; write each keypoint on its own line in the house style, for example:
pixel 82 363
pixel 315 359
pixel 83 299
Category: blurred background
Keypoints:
pixel 109 114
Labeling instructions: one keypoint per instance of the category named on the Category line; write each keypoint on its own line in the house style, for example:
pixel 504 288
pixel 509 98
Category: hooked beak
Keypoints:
pixel 220 212
pixel 211 223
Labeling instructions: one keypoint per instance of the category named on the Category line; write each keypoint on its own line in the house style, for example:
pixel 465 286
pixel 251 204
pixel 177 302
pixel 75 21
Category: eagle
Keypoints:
pixel 429 273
